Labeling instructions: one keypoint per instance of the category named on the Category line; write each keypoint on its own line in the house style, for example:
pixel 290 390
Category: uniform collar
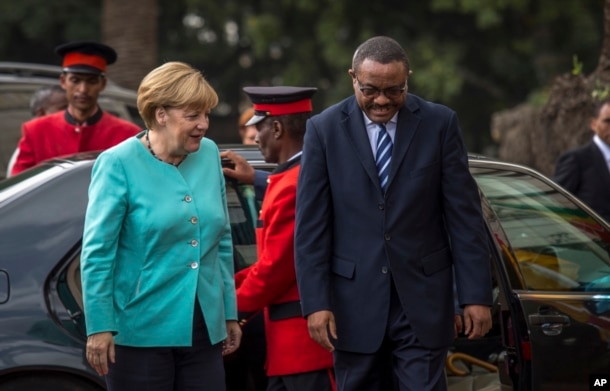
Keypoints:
pixel 293 161
pixel 90 121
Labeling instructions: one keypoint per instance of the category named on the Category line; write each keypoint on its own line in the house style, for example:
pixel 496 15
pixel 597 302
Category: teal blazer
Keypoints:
pixel 155 237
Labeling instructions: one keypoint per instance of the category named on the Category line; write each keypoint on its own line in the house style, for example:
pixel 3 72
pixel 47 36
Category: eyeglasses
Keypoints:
pixel 373 92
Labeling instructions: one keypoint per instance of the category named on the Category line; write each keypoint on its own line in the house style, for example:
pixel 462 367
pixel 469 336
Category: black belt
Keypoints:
pixel 290 309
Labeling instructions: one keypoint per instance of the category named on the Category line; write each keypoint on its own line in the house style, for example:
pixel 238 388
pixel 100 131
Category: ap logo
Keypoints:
pixel 599 382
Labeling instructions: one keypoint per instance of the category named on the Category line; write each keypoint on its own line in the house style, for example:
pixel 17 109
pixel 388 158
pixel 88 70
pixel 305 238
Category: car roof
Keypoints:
pixel 60 165
pixel 16 186
pixel 43 74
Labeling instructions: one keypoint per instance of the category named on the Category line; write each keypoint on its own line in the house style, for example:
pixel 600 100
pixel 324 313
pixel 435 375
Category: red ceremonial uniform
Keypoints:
pixel 58 134
pixel 270 283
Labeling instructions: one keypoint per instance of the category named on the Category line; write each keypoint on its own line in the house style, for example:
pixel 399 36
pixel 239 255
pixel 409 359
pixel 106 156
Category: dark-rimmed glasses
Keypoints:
pixel 373 92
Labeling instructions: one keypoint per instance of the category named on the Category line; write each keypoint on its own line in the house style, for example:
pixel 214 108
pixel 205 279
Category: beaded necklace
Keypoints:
pixel 155 155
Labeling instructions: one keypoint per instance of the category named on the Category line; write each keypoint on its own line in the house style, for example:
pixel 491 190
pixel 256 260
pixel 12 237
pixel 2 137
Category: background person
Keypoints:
pixel 45 100
pixel 83 126
pixel 294 361
pixel 247 133
pixel 157 259
pixel 241 170
pixel 585 171
pixel 375 246
pixel 48 100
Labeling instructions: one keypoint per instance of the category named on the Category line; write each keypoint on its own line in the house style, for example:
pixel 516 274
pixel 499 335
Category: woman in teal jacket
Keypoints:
pixel 157 261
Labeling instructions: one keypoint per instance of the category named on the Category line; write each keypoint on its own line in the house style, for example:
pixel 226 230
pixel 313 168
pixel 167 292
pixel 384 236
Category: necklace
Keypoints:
pixel 155 155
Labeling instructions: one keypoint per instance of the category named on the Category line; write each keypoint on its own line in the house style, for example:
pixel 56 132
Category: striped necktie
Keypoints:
pixel 383 157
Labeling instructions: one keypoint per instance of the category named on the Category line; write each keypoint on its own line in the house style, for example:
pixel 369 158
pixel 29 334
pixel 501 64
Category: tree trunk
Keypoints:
pixel 130 27
pixel 604 59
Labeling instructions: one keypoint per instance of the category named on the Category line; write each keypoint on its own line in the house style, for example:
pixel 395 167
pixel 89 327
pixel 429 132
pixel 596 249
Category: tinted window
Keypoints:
pixel 555 244
pixel 243 212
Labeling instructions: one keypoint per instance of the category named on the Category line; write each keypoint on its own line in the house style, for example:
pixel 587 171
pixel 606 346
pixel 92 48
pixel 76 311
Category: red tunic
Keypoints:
pixel 53 135
pixel 272 280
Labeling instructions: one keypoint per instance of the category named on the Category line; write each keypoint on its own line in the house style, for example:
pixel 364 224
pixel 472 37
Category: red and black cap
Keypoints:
pixel 281 100
pixel 86 57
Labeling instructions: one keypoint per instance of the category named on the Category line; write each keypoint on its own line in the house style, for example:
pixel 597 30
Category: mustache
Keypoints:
pixel 375 106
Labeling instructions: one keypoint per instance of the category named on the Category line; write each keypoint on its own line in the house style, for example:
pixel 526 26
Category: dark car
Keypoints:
pixel 550 256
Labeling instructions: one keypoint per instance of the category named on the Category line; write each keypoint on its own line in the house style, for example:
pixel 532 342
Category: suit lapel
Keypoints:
pixel 599 162
pixel 355 131
pixel 406 128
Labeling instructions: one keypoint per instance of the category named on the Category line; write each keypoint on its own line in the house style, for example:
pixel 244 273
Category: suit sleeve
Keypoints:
pixel 567 172
pixel 464 220
pixel 313 231
pixel 106 210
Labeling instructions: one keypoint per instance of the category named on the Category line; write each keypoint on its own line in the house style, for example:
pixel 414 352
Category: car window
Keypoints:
pixel 555 244
pixel 243 212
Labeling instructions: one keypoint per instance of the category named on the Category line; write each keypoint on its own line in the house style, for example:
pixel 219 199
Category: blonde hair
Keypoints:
pixel 174 84
pixel 245 117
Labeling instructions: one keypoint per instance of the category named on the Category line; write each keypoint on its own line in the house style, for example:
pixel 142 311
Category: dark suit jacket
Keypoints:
pixel 583 172
pixel 351 240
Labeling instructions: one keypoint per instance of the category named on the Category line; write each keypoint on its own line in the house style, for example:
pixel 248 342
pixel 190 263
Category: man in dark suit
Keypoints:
pixel 585 171
pixel 377 250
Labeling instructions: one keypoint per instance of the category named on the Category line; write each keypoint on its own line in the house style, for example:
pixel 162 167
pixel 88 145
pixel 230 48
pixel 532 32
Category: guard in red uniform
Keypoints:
pixel 294 361
pixel 83 126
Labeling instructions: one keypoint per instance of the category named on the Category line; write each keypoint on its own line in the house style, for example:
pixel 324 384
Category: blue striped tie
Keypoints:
pixel 383 157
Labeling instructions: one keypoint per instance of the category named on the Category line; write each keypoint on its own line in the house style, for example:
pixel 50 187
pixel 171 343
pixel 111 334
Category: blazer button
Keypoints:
pixel 381 206
pixel 387 236
pixel 187 198
pixel 194 265
pixel 384 269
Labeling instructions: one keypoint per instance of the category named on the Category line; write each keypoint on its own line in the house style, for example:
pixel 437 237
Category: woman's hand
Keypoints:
pixel 100 350
pixel 233 340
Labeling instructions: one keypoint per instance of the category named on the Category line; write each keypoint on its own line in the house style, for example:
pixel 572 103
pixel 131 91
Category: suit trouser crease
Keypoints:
pixel 401 363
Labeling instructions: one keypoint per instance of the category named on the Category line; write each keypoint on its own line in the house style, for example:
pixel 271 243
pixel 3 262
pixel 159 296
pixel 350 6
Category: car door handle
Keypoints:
pixel 551 325
pixel 540 319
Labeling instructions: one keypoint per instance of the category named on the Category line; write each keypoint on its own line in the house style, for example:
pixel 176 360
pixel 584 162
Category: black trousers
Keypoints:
pixel 195 368
pixel 401 363
pixel 321 380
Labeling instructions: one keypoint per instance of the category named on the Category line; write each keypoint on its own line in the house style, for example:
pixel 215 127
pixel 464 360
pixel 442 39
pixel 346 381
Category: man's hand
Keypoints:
pixel 233 340
pixel 477 320
pixel 100 350
pixel 243 171
pixel 320 324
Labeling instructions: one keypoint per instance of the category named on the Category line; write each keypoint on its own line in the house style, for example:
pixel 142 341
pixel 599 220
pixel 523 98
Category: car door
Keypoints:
pixel 554 265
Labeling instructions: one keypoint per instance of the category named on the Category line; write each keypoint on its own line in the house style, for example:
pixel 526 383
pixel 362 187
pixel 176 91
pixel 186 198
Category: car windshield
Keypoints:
pixel 556 245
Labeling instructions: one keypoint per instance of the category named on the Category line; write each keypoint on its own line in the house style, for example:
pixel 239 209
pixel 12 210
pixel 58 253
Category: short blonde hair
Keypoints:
pixel 245 117
pixel 174 84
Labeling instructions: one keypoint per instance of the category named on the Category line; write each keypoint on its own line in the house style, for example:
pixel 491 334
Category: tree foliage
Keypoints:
pixel 476 56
